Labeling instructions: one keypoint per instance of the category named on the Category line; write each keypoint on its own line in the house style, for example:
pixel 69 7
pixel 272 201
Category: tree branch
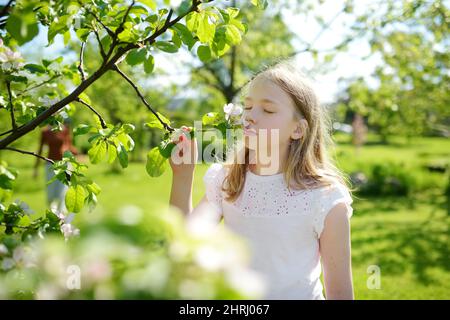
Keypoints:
pixel 80 65
pixel 166 126
pixel 68 99
pixel 108 65
pixel 102 121
pixel 11 107
pixel 30 153
pixel 6 8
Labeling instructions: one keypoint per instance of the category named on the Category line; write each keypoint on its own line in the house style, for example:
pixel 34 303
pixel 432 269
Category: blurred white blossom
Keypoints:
pixel 232 110
pixel 10 60
pixel 47 101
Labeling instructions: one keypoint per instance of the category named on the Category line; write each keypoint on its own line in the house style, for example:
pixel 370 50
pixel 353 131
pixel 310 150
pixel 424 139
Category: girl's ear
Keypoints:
pixel 300 129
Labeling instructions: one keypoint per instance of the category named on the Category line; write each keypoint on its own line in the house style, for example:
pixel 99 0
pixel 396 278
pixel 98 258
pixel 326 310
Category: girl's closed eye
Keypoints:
pixel 265 110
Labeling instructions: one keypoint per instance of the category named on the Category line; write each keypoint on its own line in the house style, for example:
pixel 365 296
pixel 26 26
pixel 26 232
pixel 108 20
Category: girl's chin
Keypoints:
pixel 250 146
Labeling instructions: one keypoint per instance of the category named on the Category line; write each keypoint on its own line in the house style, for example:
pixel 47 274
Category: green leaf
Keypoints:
pixel 122 155
pixel 83 96
pixel 75 196
pixel 83 34
pixel 136 56
pixel 260 3
pixel 204 53
pixel 149 64
pixel 155 123
pixel 112 152
pixel 128 128
pixel 82 129
pixel 166 147
pixel 127 141
pixel 232 34
pixel 22 27
pixel 149 3
pixel 60 26
pixel 156 163
pixel 205 30
pixel 94 188
pixel 13 78
pixel 192 20
pixel 98 152
pixel 35 68
pixel 66 37
pixel 166 46
pixel 211 118
pixel 185 34
pixel 127 36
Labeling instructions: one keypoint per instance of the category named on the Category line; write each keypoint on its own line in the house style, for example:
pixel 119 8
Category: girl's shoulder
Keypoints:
pixel 332 189
pixel 215 172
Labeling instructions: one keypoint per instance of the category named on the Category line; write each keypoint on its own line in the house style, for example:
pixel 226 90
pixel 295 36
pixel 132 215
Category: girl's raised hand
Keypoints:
pixel 184 155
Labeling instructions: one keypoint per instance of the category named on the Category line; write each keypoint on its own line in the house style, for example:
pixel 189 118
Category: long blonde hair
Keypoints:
pixel 307 165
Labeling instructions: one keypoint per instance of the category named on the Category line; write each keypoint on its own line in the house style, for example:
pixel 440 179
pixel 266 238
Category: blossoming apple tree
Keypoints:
pixel 123 32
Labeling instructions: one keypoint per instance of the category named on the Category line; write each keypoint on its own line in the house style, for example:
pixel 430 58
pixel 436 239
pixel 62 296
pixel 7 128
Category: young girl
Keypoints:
pixel 295 213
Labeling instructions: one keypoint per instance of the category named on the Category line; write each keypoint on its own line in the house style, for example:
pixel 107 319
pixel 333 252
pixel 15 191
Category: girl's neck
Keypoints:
pixel 275 166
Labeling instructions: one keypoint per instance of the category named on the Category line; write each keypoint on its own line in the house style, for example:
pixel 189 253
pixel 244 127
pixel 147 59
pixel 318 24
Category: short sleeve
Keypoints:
pixel 329 198
pixel 213 180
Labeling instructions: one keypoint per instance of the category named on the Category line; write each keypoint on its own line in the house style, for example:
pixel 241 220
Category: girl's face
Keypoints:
pixel 269 107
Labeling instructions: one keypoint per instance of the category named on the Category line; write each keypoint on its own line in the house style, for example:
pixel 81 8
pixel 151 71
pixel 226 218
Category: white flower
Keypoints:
pixel 10 60
pixel 69 230
pixel 47 101
pixel 232 110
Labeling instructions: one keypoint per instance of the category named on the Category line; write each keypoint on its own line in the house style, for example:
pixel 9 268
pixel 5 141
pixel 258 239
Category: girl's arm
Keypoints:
pixel 182 182
pixel 181 193
pixel 335 249
pixel 183 173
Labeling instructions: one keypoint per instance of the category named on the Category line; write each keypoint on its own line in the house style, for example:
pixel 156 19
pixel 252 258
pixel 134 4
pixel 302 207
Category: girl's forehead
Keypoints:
pixel 264 89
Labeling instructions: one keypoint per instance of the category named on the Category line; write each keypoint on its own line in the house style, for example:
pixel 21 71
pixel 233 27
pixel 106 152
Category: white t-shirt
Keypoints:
pixel 282 228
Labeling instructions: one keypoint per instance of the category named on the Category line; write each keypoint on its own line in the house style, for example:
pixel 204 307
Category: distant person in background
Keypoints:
pixel 57 142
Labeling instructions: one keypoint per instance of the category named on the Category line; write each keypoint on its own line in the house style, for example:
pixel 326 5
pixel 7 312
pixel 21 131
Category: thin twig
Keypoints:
pixel 102 51
pixel 117 32
pixel 108 30
pixel 102 121
pixel 30 153
pixel 6 132
pixel 80 65
pixel 11 107
pixel 38 85
pixel 166 126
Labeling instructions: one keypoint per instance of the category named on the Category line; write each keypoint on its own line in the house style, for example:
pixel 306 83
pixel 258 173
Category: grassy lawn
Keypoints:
pixel 407 238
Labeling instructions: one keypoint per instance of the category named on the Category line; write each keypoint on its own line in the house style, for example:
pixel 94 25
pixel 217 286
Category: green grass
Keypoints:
pixel 408 238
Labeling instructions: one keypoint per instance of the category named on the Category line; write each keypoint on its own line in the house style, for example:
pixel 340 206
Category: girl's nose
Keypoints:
pixel 249 118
